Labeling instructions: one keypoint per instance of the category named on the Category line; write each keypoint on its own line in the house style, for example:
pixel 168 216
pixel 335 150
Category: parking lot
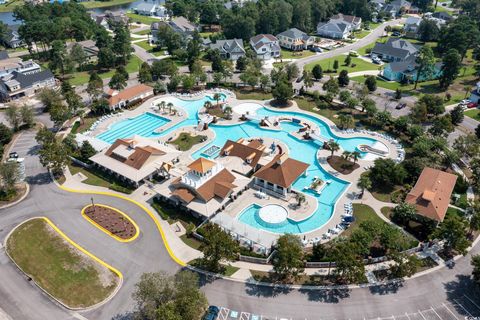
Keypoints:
pixel 464 307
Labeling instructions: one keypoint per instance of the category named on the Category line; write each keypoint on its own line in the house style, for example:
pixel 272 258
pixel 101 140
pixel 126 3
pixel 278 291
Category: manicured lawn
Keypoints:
pixel 150 49
pixel 252 95
pixel 79 78
pixel 10 5
pixel 186 141
pixel 362 213
pixel 142 19
pixel 59 268
pixel 172 215
pixel 473 113
pixel 356 65
pixel 191 242
pixel 99 178
pixel 101 4
pixel 287 54
pixel 362 33
pixel 142 32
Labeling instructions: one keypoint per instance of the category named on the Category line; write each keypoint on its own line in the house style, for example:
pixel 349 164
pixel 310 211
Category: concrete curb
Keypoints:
pixel 27 191
pixel 94 258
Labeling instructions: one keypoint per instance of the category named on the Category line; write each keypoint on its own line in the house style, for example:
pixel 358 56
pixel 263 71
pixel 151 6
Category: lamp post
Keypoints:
pixel 93 204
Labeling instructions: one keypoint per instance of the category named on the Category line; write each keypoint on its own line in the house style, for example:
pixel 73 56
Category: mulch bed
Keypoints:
pixel 342 165
pixel 111 221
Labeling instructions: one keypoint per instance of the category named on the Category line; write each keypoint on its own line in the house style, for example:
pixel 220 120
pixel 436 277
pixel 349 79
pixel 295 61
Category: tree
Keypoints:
pixel 164 67
pixel 457 115
pixel 288 260
pixel 450 69
pixel 87 150
pixel 343 79
pixel 241 64
pixel 283 91
pixel 428 30
pixel 371 83
pixel 349 267
pixel 348 60
pixel 13 116
pixel 54 156
pixel 426 64
pixel 292 71
pixel 118 81
pixel 59 114
pixel 173 297
pixel 44 136
pixel 476 268
pixel 77 55
pixel 26 115
pixel 452 231
pixel 121 42
pixel 404 265
pixel 57 56
pixel 335 65
pixel 145 73
pixel 95 85
pixel 398 94
pixel 386 173
pixel 106 58
pixel 317 72
pixel 5 134
pixel 331 86
pixel 218 246
pixel 403 213
pixel 9 176
pixel 333 146
pixel 364 182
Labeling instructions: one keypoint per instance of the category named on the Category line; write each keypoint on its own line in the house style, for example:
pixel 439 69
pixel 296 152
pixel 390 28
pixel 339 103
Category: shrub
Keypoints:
pixel 119 188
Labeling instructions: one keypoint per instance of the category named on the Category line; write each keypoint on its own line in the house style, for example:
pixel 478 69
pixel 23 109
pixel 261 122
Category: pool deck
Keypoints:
pixel 248 197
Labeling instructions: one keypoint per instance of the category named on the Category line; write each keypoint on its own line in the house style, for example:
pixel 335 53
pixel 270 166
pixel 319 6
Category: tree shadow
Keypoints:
pixel 39 179
pixel 33 150
pixel 124 316
pixel 391 287
pixel 457 289
pixel 333 295
pixel 266 291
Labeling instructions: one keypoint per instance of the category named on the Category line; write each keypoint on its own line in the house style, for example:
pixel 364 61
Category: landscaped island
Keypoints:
pixel 59 268
pixel 111 221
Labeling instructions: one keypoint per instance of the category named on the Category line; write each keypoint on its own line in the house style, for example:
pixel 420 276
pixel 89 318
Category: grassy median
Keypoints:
pixel 60 269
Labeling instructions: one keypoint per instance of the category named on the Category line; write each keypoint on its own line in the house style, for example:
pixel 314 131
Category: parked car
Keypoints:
pixel 400 106
pixel 376 60
pixel 464 102
pixel 13 155
pixel 212 313
pixel 316 49
pixel 396 33
pixel 353 53
pixel 472 105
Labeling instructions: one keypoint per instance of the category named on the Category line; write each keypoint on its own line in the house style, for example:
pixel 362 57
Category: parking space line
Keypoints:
pixel 461 306
pixel 436 313
pixel 476 305
pixel 421 314
pixel 244 316
pixel 223 314
pixel 453 314
pixel 407 316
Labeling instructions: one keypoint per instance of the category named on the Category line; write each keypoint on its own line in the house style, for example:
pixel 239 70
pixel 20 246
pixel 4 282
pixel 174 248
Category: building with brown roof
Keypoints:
pixel 278 175
pixel 136 159
pixel 431 194
pixel 129 96
pixel 250 152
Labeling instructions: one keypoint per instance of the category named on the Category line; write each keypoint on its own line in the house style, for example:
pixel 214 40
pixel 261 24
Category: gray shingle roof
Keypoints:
pixel 27 80
pixel 293 33
pixel 396 47
pixel 231 45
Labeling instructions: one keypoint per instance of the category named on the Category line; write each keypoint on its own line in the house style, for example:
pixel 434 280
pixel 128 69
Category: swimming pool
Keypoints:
pixel 301 150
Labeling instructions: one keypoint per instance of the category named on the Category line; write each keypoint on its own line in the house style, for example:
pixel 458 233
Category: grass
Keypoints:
pixel 142 32
pixel 252 95
pixel 57 267
pixel 98 178
pixel 356 65
pixel 473 113
pixel 101 4
pixel 79 78
pixel 362 33
pixel 142 19
pixel 186 141
pixel 172 215
pixel 10 5
pixel 191 242
pixel 287 54
pixel 362 213
pixel 455 212
pixel 149 48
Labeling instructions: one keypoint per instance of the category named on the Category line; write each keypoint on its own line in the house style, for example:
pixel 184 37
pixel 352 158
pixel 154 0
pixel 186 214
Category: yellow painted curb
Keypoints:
pixel 103 263
pixel 152 216
pixel 137 230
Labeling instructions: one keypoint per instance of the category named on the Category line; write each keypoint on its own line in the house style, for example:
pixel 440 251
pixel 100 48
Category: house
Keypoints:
pixel 377 5
pixel 136 159
pixel 100 19
pixel 129 96
pixel 204 188
pixel 398 7
pixel 295 40
pixel 395 50
pixel 89 48
pixel 412 24
pixel 250 153
pixel 445 16
pixel 229 49
pixel 146 9
pixel 353 21
pixel 475 95
pixel 12 38
pixel 236 3
pixel 116 17
pixel 17 85
pixel 406 71
pixel 431 193
pixel 277 176
pixel 266 46
pixel 9 65
pixel 183 26
pixel 334 29
pixel 162 12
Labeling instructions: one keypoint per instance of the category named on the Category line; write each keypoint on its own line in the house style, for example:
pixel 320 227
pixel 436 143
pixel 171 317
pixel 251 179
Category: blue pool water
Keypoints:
pixel 301 150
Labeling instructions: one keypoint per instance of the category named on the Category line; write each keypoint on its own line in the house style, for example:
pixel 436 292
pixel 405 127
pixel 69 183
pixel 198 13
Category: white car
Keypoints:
pixel 464 102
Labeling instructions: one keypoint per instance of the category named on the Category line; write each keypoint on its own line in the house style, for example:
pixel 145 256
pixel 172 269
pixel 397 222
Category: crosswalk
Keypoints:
pixel 461 308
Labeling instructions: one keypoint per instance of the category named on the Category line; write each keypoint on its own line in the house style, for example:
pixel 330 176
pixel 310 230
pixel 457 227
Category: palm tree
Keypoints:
pixel 346 155
pixel 364 182
pixel 207 105
pixel 333 146
pixel 161 106
pixel 217 97
pixel 355 155
pixel 81 115
pixel 300 198
pixel 228 111
pixel 170 106
pixel 467 91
